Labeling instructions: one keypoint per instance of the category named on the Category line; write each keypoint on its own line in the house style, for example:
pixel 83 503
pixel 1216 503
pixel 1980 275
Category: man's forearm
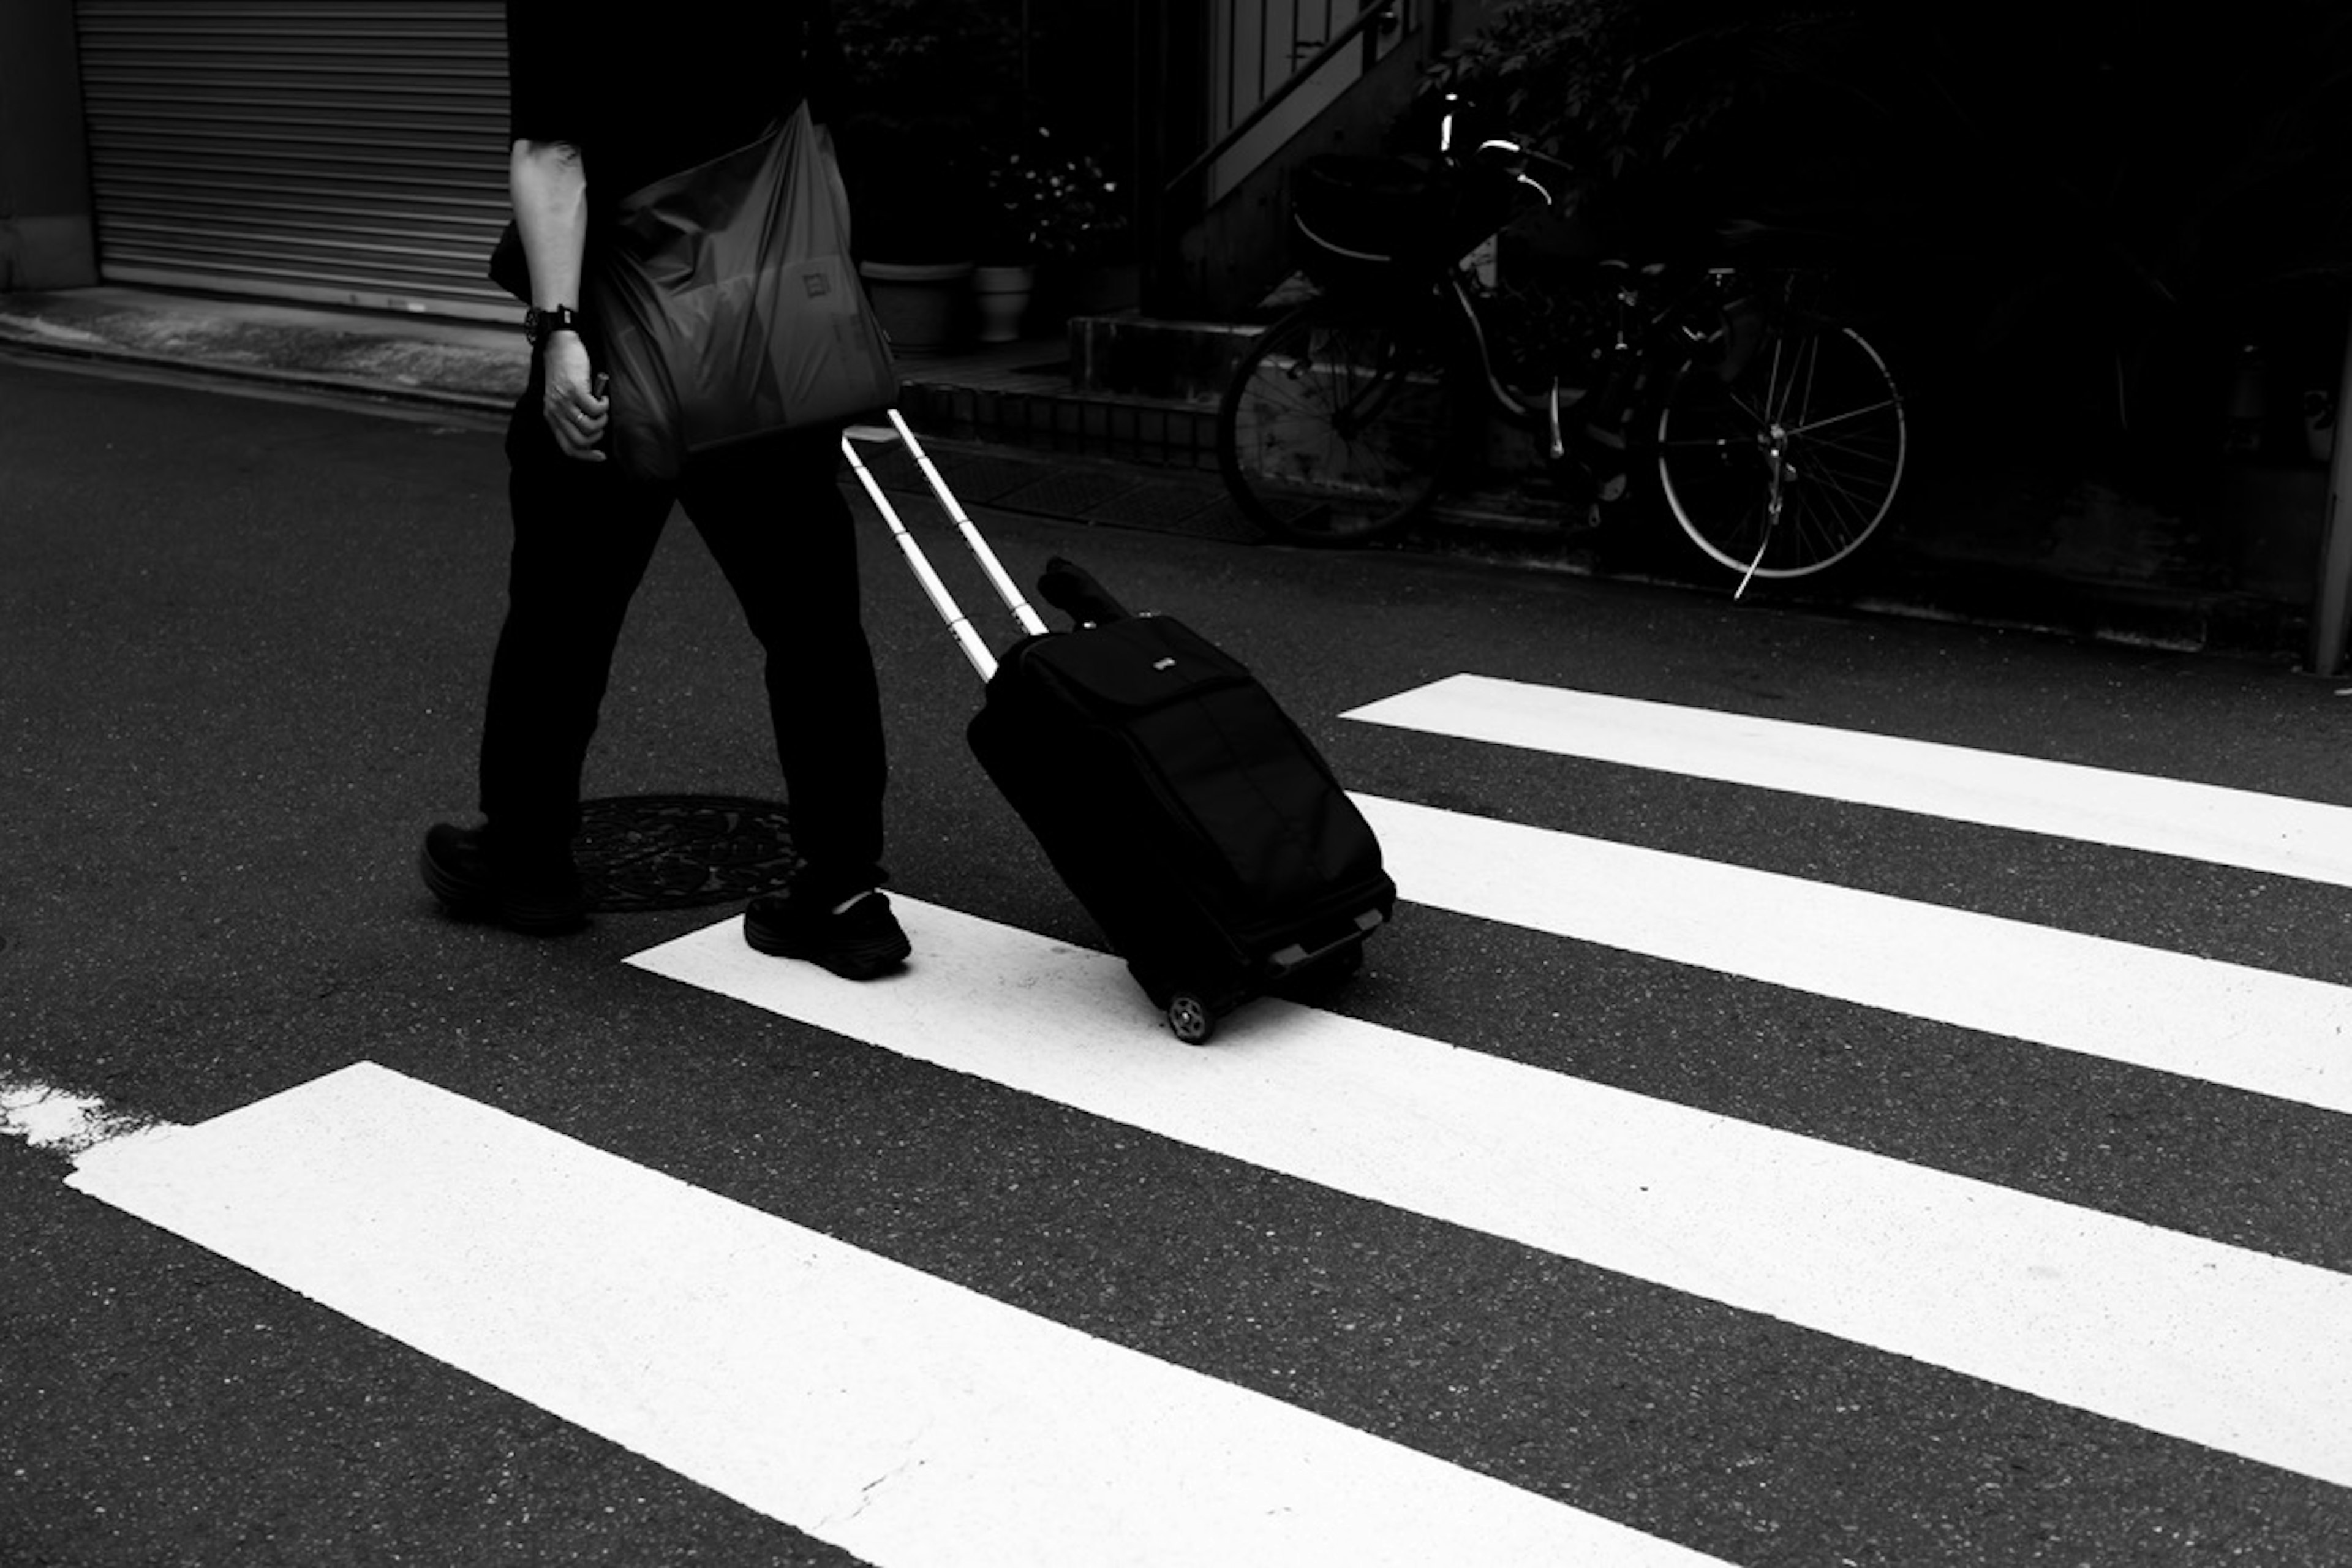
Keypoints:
pixel 549 188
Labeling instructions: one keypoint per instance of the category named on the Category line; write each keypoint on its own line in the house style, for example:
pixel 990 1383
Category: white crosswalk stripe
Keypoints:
pixel 915 1422
pixel 2100 806
pixel 899 1416
pixel 2278 1035
pixel 2224 1346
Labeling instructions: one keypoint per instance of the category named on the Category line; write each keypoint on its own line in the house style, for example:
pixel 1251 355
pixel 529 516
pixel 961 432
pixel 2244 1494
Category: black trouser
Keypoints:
pixel 775 521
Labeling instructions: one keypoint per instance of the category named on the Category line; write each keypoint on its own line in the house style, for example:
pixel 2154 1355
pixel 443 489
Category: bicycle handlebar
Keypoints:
pixel 1513 155
pixel 1505 148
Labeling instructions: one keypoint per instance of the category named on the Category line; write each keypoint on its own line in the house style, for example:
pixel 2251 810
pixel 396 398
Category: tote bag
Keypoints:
pixel 726 306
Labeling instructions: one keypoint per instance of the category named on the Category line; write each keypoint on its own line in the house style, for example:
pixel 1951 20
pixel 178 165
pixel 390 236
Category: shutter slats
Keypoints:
pixel 348 153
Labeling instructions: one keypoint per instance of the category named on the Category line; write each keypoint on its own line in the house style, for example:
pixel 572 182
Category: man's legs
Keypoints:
pixel 775 521
pixel 581 540
pixel 773 516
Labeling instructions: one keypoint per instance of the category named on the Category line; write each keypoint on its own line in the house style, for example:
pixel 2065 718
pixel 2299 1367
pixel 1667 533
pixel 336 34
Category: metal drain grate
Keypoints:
pixel 1068 492
pixel 648 852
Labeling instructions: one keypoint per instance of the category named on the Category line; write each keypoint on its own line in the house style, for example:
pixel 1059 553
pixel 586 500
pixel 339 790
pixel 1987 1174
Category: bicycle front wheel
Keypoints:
pixel 1783 464
pixel 1340 423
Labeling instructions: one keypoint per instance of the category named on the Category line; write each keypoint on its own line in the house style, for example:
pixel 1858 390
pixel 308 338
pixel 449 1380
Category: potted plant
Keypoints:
pixel 927 75
pixel 1050 207
pixel 1006 278
pixel 1059 217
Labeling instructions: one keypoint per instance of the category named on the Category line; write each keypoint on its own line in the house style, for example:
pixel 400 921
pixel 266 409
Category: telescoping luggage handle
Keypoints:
pixel 967 635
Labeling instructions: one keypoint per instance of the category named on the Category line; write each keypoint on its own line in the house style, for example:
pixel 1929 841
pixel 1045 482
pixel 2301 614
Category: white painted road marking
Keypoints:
pixel 2257 832
pixel 902 1418
pixel 2215 1344
pixel 2276 1034
pixel 914 1422
pixel 65 1122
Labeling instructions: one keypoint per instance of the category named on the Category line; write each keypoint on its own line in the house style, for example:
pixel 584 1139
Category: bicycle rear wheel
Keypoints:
pixel 1340 423
pixel 1783 464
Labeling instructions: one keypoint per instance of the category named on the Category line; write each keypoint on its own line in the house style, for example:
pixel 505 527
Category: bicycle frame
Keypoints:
pixel 1638 329
pixel 1339 421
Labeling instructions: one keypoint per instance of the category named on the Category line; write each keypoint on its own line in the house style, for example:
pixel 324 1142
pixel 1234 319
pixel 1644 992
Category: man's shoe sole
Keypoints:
pixel 469 902
pixel 855 960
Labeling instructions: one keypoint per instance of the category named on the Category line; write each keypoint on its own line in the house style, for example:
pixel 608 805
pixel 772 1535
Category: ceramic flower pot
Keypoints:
pixel 921 305
pixel 1003 294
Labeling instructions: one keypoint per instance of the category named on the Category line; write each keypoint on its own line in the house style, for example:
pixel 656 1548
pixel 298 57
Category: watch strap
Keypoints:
pixel 538 325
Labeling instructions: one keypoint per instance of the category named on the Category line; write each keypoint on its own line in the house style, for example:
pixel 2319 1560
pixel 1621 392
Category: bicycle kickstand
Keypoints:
pixel 1771 522
pixel 1749 576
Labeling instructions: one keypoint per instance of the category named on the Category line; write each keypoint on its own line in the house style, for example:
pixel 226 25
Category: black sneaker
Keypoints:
pixel 539 896
pixel 856 943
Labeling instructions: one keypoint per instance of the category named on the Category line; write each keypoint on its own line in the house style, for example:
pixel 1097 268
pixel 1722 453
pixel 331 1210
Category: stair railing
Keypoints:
pixel 1372 13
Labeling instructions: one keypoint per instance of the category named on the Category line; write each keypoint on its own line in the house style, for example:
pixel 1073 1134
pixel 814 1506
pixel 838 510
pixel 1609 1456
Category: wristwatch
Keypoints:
pixel 538 325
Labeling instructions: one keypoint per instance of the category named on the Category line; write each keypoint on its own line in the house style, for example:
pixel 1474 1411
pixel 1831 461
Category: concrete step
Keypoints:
pixel 1047 414
pixel 1123 387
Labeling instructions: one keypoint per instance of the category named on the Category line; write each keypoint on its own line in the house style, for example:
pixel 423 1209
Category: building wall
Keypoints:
pixel 1239 248
pixel 44 202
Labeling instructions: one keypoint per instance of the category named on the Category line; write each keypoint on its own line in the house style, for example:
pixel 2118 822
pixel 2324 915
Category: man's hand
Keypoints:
pixel 570 405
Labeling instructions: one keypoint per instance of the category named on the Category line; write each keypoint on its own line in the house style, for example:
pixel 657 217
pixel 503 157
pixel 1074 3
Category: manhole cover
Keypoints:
pixel 681 851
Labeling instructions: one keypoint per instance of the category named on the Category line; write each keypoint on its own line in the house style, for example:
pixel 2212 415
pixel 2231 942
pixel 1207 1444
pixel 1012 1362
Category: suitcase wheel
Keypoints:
pixel 1189 1018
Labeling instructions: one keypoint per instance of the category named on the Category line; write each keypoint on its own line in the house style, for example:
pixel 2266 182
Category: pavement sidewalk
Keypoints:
pixel 1973 572
pixel 421 361
pixel 479 370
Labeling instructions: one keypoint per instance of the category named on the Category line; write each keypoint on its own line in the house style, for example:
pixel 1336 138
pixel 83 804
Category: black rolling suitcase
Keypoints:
pixel 1183 808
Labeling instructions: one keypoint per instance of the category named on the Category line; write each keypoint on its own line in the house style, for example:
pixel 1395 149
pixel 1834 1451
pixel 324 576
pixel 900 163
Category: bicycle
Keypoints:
pixel 1776 435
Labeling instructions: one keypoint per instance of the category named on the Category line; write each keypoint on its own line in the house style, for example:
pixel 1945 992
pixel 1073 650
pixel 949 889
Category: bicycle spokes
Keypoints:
pixel 1338 425
pixel 1786 469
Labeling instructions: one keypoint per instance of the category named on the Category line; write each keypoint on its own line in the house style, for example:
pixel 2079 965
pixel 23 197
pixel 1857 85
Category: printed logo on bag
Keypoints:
pixel 816 283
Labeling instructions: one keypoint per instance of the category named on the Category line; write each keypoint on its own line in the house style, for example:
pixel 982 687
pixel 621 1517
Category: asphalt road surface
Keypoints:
pixel 1837 1091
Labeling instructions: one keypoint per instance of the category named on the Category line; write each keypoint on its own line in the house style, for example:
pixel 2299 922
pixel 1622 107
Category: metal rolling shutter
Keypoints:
pixel 339 151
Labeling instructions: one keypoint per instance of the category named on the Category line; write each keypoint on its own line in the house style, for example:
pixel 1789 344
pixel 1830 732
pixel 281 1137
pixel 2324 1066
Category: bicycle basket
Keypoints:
pixel 1362 223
